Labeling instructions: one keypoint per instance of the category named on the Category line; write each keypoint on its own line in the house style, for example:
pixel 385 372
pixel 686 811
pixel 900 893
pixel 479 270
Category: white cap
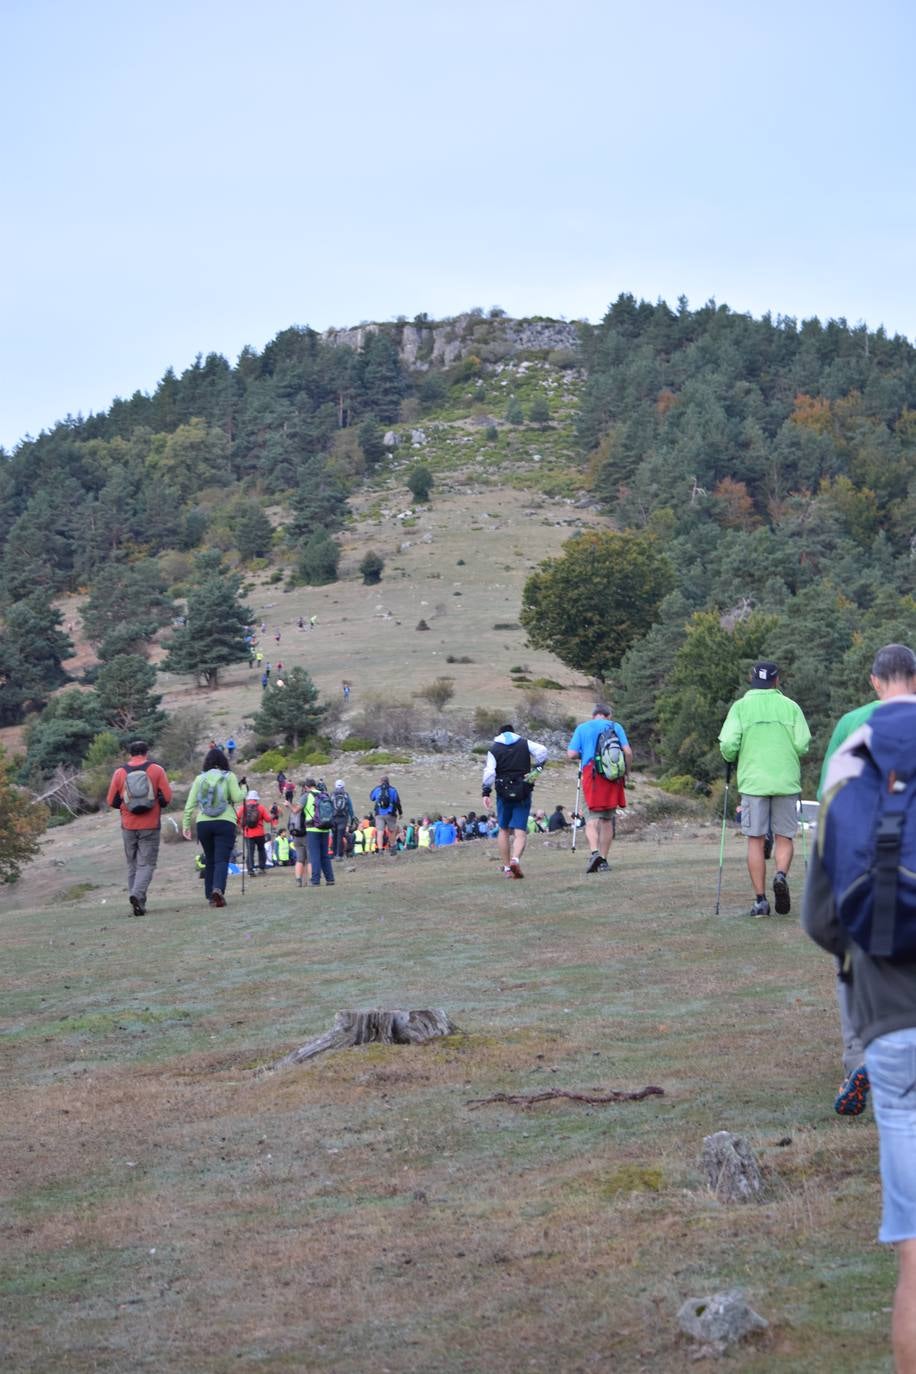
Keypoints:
pixel 253 796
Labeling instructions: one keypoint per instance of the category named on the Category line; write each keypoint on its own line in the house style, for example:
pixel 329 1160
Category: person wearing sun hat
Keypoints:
pixel 254 818
pixel 766 732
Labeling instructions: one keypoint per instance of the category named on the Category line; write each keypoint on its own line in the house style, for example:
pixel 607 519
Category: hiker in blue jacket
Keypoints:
pixel 385 800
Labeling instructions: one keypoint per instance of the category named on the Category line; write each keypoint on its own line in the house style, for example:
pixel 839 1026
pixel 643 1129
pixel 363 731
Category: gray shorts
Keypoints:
pixel 302 854
pixel 769 816
pixel 602 815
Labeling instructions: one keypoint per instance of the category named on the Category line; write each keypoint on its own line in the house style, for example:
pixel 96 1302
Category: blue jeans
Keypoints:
pixel 891 1064
pixel 319 858
pixel 217 839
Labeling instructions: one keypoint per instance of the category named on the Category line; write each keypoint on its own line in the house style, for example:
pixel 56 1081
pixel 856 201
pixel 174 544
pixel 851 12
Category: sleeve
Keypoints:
pixel 190 805
pixel 801 734
pixel 575 744
pixel 819 919
pixel 489 774
pixel 538 752
pixel 115 786
pixel 730 735
pixel 266 817
pixel 164 787
pixel 308 810
pixel 234 790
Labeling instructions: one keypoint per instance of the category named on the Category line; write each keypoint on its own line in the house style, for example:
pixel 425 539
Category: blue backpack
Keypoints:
pixel 869 839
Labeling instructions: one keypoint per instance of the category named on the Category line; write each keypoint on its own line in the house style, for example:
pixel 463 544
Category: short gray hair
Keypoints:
pixel 893 663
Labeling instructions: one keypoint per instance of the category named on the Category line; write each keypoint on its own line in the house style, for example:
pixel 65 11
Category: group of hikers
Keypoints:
pixel 860 895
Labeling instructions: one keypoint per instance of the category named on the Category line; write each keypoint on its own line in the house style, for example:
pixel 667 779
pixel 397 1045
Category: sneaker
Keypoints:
pixel 507 871
pixel 761 907
pixel 594 863
pixel 137 904
pixel 298 882
pixel 217 899
pixel 515 868
pixel 853 1094
pixel 603 867
pixel 781 894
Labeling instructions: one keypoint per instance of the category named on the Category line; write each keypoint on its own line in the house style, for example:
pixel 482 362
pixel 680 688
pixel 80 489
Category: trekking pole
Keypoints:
pixel 576 810
pixel 728 774
pixel 244 841
pixel 804 831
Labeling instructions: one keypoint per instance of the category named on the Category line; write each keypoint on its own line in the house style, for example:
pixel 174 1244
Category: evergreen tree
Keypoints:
pixel 252 531
pixel 318 560
pixel 539 412
pixel 514 413
pixel 36 645
pixel 130 595
pixel 214 633
pixel 290 712
pixel 371 441
pixel 21 825
pixel 124 688
pixel 420 482
pixel 370 568
pixel 62 734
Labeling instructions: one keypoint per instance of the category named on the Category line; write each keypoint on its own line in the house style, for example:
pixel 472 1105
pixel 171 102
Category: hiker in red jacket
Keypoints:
pixel 253 818
pixel 140 789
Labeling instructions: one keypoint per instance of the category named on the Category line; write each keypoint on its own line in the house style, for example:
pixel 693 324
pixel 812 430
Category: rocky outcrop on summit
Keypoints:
pixel 423 345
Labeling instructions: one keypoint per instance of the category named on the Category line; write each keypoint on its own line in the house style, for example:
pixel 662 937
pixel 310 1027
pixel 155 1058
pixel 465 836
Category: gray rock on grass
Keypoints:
pixel 731 1168
pixel 720 1321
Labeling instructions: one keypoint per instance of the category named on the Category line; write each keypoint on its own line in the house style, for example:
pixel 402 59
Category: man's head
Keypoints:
pixel 558 807
pixel 310 782
pixel 602 710
pixel 340 785
pixel 893 673
pixel 384 781
pixel 506 730
pixel 765 673
pixel 138 748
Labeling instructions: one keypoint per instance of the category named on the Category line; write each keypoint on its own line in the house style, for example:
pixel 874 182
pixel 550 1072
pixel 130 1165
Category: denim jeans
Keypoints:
pixel 217 839
pixel 319 858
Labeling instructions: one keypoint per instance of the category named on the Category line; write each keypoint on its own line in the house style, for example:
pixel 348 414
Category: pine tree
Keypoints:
pixel 214 633
pixel 319 559
pixel 21 824
pixel 290 712
pixel 125 692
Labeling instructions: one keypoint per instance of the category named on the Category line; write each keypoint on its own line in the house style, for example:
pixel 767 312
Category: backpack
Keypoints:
pixel 323 814
pixel 869 838
pixel 384 798
pixel 297 823
pixel 252 815
pixel 341 804
pixel 213 795
pixel 139 794
pixel 610 760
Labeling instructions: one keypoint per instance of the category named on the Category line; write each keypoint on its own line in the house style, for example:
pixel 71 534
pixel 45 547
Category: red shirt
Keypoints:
pixel 140 820
pixel 254 832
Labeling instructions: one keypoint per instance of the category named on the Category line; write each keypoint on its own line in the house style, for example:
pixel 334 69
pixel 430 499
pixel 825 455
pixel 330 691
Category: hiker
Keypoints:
pixel 508 769
pixel 281 783
pixel 859 906
pixel 445 832
pixel 317 812
pixel 557 820
pixel 424 834
pixel 230 749
pixel 253 818
pixel 139 789
pixel 343 815
pixel 346 691
pixel 283 849
pixel 385 799
pixel 259 657
pixel 768 734
pixel 893 675
pixel 265 677
pixel 605 758
pixel 211 803
pixel 297 832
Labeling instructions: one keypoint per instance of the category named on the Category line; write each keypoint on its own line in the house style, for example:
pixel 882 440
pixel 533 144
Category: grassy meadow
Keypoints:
pixel 168 1205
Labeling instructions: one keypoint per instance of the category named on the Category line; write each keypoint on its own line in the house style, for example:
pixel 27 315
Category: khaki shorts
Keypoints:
pixel 602 815
pixel 769 816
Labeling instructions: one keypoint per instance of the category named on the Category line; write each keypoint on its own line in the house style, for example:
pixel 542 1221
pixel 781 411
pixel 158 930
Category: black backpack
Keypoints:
pixel 341 804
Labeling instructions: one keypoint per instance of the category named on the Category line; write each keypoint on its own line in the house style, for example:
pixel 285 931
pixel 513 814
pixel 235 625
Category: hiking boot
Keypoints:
pixel 515 868
pixel 761 907
pixel 138 908
pixel 594 863
pixel 217 898
pixel 603 867
pixel 781 894
pixel 298 882
pixel 853 1094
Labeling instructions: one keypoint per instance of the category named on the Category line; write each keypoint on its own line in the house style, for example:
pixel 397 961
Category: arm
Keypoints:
pixel 730 736
pixel 234 789
pixel 164 787
pixel 114 787
pixel 538 752
pixel 801 734
pixel 489 776
pixel 190 806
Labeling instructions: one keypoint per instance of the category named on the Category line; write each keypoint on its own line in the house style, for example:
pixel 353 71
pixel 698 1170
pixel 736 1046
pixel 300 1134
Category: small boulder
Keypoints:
pixel 719 1321
pixel 731 1168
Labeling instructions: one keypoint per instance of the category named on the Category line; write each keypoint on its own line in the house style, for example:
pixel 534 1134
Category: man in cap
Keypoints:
pixel 768 735
pixel 602 795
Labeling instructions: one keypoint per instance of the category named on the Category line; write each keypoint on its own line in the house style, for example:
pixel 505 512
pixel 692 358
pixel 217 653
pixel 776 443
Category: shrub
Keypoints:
pixel 420 482
pixel 383 756
pixel 491 433
pixel 180 743
pixel 507 625
pixel 357 744
pixel 370 568
pixel 437 693
pixel 455 658
pixel 271 761
pixel 548 684
pixel 679 785
pixel 487 721
pixel 422 625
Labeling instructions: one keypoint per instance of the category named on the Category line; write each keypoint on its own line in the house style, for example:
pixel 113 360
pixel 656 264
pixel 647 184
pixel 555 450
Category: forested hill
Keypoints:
pixel 770 462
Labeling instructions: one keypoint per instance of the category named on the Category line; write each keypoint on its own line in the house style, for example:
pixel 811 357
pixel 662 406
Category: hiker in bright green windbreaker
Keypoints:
pixel 768 735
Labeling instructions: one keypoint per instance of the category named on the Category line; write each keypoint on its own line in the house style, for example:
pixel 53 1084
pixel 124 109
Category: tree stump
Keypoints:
pixel 731 1168
pixel 375 1028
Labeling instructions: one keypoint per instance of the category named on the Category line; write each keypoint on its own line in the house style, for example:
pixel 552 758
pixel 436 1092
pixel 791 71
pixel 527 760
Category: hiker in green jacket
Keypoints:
pixel 768 735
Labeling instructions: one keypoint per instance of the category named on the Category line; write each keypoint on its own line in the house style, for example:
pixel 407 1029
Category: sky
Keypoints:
pixel 184 178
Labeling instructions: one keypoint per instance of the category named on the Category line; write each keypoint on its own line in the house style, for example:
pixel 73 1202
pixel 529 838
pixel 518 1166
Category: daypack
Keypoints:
pixel 610 760
pixel 323 815
pixel 213 794
pixel 384 798
pixel 868 840
pixel 139 793
pixel 341 804
pixel 252 815
pixel 297 823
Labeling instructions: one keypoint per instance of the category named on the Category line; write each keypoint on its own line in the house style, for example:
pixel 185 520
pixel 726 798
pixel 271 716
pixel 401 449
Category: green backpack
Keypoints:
pixel 213 794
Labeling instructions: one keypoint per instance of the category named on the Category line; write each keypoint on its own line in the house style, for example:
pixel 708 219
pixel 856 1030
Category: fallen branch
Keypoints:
pixel 592 1100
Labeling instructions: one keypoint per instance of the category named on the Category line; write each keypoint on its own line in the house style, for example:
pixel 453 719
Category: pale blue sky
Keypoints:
pixel 191 177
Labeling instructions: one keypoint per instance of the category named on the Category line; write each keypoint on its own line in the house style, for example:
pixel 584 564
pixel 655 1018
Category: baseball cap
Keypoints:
pixel 765 672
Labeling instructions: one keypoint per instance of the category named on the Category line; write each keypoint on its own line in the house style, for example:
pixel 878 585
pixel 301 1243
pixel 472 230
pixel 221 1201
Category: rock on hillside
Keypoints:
pixel 427 344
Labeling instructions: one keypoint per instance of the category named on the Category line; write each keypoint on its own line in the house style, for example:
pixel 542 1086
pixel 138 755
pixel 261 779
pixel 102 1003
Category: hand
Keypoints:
pixel 488 802
pixel 186 832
